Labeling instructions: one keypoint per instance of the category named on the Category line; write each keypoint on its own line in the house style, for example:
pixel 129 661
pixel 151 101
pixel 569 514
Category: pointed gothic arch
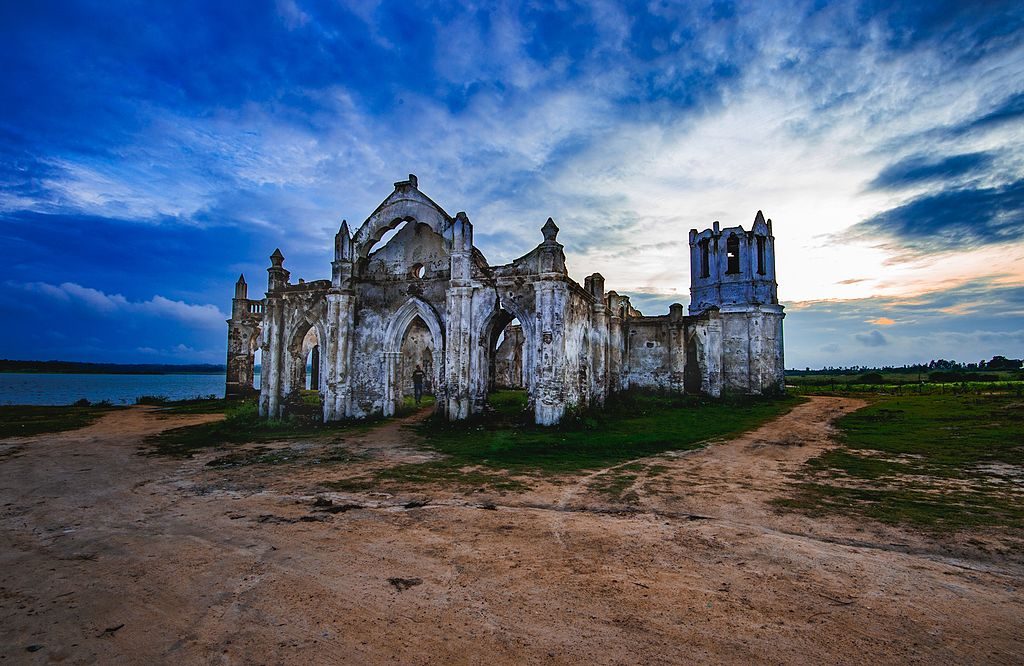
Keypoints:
pixel 394 334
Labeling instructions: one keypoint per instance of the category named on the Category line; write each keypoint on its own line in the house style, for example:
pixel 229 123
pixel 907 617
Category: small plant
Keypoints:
pixel 157 400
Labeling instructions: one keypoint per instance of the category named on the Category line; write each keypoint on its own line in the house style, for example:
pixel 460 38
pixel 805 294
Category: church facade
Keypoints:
pixel 428 298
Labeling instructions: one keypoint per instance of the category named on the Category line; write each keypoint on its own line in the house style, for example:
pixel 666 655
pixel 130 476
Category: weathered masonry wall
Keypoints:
pixel 428 296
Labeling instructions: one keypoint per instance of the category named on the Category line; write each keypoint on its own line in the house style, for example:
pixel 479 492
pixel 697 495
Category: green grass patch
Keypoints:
pixel 409 405
pixel 893 385
pixel 503 449
pixel 242 424
pixel 631 425
pixel 28 420
pixel 942 462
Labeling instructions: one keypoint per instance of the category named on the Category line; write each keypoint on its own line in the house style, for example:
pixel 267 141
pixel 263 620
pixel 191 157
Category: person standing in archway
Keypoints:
pixel 417 383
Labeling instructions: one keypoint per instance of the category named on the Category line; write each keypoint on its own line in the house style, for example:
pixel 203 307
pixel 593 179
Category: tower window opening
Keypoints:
pixel 705 262
pixel 732 253
pixel 760 255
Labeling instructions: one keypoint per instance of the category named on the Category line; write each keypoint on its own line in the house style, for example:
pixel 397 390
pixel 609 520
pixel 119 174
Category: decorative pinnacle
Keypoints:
pixel 241 278
pixel 277 258
pixel 759 217
pixel 550 231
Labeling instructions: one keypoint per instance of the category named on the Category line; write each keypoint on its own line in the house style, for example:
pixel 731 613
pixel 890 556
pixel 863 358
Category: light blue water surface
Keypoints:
pixel 61 389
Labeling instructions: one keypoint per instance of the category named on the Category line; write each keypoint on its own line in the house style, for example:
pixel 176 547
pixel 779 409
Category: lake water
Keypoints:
pixel 61 389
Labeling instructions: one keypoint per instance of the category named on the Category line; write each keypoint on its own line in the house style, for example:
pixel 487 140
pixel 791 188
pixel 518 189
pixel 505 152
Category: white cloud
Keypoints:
pixel 160 307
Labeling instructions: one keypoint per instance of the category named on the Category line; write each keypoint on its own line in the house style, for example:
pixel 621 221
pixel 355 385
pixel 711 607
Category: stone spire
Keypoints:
pixel 550 231
pixel 241 288
pixel 277 276
pixel 343 243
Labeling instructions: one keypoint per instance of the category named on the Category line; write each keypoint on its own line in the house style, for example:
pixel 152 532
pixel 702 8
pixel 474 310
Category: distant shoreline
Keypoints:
pixel 80 368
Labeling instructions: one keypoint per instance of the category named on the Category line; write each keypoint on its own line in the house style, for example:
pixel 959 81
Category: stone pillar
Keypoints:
pixel 459 353
pixel 459 338
pixel 392 390
pixel 273 357
pixel 337 355
pixel 549 406
pixel 615 351
pixel 711 380
pixel 677 348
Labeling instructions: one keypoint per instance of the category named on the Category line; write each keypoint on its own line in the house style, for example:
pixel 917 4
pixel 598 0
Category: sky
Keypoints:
pixel 151 152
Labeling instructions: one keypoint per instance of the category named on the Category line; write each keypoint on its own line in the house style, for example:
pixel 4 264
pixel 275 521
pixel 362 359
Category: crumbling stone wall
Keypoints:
pixel 429 296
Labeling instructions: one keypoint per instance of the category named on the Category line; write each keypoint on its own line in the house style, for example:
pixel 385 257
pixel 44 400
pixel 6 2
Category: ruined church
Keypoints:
pixel 427 297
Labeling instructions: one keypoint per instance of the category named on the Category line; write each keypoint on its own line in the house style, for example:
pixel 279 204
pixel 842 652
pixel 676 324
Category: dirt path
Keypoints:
pixel 113 557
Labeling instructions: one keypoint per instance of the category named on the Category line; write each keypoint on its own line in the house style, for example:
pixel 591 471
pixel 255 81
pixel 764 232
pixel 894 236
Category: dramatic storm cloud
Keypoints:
pixel 151 152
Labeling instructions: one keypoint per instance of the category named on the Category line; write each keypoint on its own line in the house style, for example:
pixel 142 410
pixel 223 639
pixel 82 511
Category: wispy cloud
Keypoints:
pixel 205 315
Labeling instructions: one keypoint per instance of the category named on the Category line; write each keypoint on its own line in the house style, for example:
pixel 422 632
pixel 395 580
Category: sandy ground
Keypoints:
pixel 108 556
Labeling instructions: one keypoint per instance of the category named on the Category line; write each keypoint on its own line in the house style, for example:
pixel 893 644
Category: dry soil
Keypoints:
pixel 109 556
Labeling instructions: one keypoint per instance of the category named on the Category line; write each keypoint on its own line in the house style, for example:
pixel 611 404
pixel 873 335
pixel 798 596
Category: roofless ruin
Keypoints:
pixel 428 297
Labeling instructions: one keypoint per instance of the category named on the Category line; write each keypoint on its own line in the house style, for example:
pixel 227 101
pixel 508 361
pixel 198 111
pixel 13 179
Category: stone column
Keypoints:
pixel 459 338
pixel 550 402
pixel 392 391
pixel 711 381
pixel 337 397
pixel 270 385
pixel 458 355
pixel 677 348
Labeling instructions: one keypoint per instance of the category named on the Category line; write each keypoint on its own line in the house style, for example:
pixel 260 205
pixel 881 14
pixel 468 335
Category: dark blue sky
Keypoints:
pixel 149 152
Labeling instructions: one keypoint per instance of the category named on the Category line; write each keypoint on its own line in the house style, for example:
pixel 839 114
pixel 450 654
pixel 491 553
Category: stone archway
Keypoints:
pixel 394 334
pixel 300 343
pixel 506 310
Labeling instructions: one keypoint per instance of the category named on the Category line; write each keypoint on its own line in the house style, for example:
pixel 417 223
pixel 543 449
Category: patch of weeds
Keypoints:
pixel 336 454
pixel 28 420
pixel 158 400
pixel 261 455
pixel 614 485
pixel 356 484
pixel 208 405
pixel 242 424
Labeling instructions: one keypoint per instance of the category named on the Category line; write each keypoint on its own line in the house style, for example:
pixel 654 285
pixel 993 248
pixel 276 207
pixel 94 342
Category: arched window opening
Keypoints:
pixel 388 235
pixel 257 364
pixel 732 253
pixel 507 366
pixel 705 260
pixel 310 378
pixel 760 254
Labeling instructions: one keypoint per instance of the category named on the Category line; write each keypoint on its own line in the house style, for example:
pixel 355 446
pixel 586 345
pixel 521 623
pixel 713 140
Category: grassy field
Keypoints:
pixel 936 461
pixel 495 449
pixel 906 383
pixel 27 420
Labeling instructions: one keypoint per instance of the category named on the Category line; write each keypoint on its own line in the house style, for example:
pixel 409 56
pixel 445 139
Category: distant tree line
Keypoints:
pixel 996 364
pixel 73 367
pixel 940 371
